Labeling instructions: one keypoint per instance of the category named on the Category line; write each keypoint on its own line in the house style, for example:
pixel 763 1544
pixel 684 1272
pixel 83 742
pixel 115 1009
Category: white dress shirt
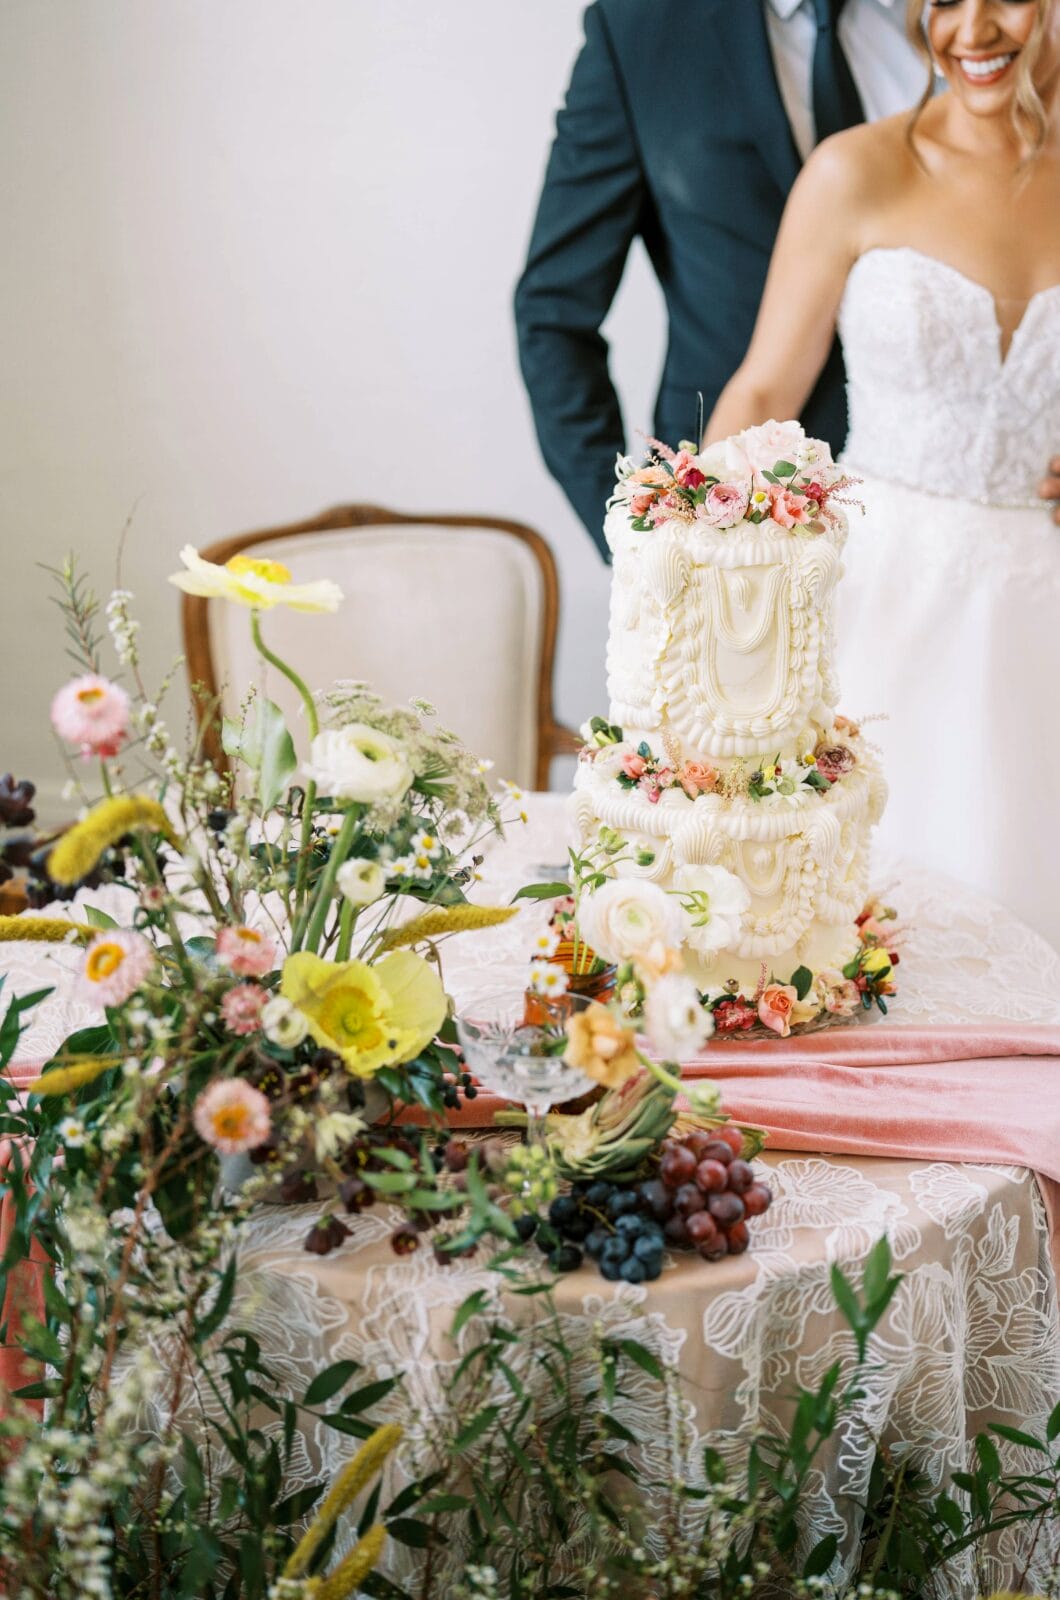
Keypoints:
pixel 889 73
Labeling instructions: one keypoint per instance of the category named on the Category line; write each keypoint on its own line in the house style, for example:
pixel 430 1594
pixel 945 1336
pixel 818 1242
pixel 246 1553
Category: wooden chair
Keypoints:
pixel 459 610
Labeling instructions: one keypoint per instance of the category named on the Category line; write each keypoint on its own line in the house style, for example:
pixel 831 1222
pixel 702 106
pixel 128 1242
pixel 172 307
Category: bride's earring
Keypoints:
pixel 924 15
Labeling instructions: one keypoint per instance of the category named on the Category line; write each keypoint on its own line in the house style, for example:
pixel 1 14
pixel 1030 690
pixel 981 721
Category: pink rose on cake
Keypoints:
pixel 835 761
pixel 726 505
pixel 775 1006
pixel 696 779
pixel 788 509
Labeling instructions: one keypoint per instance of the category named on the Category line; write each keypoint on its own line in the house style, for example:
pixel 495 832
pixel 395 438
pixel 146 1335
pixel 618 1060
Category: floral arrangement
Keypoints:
pixel 636 768
pixel 275 982
pixel 772 473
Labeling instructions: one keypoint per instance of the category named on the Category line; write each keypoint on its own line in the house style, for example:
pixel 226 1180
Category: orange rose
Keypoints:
pixel 775 1007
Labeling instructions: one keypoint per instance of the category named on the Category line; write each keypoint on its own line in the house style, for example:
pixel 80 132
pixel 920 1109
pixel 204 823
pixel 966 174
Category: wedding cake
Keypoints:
pixel 722 772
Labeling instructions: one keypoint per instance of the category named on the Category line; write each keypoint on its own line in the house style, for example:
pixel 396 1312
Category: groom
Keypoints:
pixel 685 124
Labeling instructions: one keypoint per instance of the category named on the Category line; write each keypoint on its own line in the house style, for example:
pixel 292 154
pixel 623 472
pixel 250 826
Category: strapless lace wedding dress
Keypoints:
pixel 950 619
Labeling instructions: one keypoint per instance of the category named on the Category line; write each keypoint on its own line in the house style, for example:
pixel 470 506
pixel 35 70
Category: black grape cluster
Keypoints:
pixel 701 1199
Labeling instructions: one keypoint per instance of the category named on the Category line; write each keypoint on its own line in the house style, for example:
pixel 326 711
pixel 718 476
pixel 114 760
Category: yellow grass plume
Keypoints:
pixel 81 847
pixel 64 1080
pixel 357 1472
pixel 352 1571
pixel 42 930
pixel 446 919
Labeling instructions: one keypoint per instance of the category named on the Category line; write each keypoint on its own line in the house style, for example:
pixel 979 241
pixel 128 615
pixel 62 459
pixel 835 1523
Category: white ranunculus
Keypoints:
pixel 283 1024
pixel 361 881
pixel 628 916
pixel 358 763
pixel 714 901
pixel 675 1019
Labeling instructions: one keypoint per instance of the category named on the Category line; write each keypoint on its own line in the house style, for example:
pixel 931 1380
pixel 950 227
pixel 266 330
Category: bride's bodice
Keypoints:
pixel 934 404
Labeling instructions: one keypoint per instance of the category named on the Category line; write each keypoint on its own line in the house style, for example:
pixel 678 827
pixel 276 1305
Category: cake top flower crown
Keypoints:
pixel 772 473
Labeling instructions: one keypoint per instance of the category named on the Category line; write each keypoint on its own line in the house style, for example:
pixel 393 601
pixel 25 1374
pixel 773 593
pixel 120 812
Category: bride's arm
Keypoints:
pixel 818 242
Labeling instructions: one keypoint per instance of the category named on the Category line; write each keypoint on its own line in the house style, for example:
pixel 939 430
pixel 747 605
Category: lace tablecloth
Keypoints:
pixel 972 1336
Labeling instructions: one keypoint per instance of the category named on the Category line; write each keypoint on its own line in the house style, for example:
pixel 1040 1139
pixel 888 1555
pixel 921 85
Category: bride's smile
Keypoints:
pixel 977 45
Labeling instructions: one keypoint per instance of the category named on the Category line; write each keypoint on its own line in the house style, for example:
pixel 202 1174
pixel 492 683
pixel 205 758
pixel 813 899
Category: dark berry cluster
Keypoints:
pixel 701 1199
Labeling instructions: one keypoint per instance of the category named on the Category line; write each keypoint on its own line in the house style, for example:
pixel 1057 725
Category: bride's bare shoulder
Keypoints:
pixel 862 165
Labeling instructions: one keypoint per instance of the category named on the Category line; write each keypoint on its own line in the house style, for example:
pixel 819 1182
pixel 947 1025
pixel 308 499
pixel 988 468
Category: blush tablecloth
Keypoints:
pixel 973 1334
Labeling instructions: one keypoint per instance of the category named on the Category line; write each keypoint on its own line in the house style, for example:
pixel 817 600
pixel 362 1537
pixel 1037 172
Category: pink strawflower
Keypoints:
pixel 232 1116
pixel 93 713
pixel 116 964
pixel 242 1006
pixel 245 951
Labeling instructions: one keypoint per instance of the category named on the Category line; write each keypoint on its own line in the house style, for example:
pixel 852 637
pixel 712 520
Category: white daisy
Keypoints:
pixel 72 1133
pixel 546 944
pixel 425 843
pixel 548 979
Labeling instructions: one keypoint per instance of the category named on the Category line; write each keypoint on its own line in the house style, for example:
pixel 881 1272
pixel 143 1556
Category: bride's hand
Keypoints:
pixel 1050 488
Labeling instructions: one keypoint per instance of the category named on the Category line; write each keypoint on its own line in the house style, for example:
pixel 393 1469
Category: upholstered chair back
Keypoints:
pixel 461 613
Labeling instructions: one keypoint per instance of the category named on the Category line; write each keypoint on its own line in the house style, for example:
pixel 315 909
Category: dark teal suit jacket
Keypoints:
pixel 674 130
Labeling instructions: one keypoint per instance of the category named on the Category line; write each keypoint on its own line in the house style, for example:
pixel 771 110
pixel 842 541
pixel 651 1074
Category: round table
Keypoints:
pixel 972 1336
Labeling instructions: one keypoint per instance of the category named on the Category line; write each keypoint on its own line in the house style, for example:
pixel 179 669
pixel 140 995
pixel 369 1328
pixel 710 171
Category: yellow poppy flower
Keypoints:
pixel 370 1016
pixel 250 581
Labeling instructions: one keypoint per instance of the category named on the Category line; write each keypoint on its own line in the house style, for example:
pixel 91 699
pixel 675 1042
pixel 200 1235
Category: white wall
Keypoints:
pixel 257 257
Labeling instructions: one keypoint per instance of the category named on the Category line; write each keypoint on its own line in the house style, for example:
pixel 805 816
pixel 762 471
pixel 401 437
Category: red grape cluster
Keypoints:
pixel 705 1193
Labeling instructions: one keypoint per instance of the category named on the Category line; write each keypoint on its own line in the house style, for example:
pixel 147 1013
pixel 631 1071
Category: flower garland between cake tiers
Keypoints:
pixel 636 767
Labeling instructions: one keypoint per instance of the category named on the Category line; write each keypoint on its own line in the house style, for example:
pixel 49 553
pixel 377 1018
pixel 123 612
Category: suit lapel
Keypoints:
pixel 742 33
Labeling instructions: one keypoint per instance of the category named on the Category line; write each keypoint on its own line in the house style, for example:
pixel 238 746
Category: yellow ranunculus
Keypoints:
pixel 253 582
pixel 875 963
pixel 370 1016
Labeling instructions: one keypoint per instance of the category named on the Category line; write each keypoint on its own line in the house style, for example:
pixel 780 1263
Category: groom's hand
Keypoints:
pixel 1050 487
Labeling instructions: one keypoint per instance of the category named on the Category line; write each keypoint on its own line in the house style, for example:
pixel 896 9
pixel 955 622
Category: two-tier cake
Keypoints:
pixel 722 748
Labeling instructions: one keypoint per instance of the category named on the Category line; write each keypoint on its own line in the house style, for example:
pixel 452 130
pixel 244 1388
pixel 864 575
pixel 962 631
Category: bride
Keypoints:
pixel 933 244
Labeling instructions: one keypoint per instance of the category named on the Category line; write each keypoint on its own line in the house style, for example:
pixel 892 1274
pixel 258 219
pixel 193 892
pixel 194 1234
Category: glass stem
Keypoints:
pixel 313 722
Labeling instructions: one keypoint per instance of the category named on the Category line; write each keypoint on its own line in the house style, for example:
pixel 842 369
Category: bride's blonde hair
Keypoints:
pixel 1028 113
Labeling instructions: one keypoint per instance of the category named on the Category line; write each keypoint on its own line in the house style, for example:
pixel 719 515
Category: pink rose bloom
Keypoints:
pixel 871 929
pixel 787 509
pixel 634 765
pixel 93 713
pixel 774 1008
pixel 242 1006
pixel 726 505
pixel 245 951
pixel 696 779
pixel 656 476
pixel 232 1116
pixel 641 503
pixel 116 964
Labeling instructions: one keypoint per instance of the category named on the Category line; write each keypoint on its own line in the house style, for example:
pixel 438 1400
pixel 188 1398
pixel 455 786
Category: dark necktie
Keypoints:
pixel 836 102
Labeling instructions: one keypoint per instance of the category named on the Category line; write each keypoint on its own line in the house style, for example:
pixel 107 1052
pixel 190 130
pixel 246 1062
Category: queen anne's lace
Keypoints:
pixel 933 403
